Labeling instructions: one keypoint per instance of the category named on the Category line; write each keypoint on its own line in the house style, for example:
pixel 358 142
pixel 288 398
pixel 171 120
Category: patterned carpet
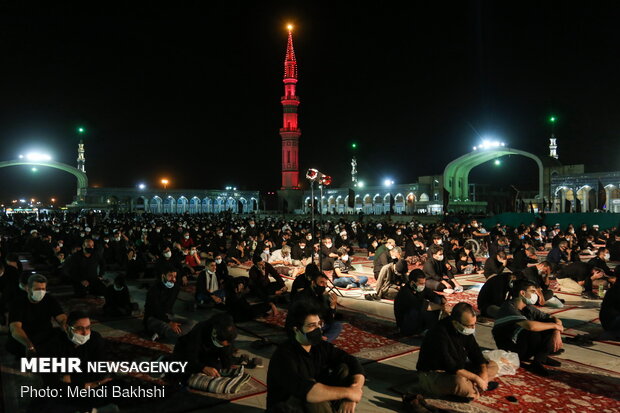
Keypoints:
pixel 574 387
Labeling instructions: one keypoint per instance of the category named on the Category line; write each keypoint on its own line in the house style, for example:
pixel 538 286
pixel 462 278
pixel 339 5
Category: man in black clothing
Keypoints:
pixel 439 274
pixel 260 283
pixel 117 300
pixel 307 373
pixel 30 317
pixel 539 274
pixel 451 362
pixel 9 288
pixel 86 270
pixel 522 258
pixel 417 308
pixel 382 256
pixel 495 264
pixel 584 275
pixel 315 292
pixel 493 294
pixel 522 328
pixel 329 253
pixel 158 307
pixel 301 253
pixel 208 348
pixel 610 313
pixel 600 261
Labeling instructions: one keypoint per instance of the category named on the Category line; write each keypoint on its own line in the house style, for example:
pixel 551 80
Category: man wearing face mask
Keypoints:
pixel 209 288
pixel 451 362
pixel 260 282
pixel 307 373
pixel 539 274
pixel 302 252
pixel 30 317
pixel 494 292
pixel 522 328
pixel 600 261
pixel 382 256
pixel 315 292
pixel 208 348
pixel 117 299
pixel 417 308
pixel 158 307
pixel 329 254
pixel 86 270
pixel 439 274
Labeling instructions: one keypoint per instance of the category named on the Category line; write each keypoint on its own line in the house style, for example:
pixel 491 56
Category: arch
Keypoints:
pixel 399 204
pixel 357 204
pixel 194 205
pixel 207 205
pixel 377 203
pixel 583 198
pixel 182 205
pixel 155 205
pixel 219 205
pixel 387 203
pixel 169 205
pixel 82 179
pixel 331 204
pixel 424 197
pixel 411 199
pixel 340 204
pixel 244 205
pixel 308 205
pixel 231 205
pixel 254 205
pixel 456 173
pixel 324 203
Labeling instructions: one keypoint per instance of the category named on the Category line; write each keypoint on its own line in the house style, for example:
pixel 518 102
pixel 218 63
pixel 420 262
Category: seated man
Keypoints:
pixel 539 274
pixel 451 362
pixel 610 313
pixel 86 269
pixel 327 303
pixel 307 373
pixel 30 318
pixel 341 277
pixel 282 261
pixel 496 264
pixel 600 261
pixel 439 274
pixel 302 252
pixel 382 256
pixel 117 299
pixel 159 318
pixel 464 265
pixel 208 287
pixel 328 254
pixel 493 294
pixel 523 258
pixel 522 328
pixel 417 308
pixel 392 275
pixel 77 340
pixel 260 283
pixel 559 253
pixel 208 348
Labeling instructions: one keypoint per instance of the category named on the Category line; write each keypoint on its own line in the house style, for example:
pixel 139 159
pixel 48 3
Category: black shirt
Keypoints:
pixel 293 371
pixel 506 328
pixel 160 300
pixel 93 350
pixel 493 292
pixel 408 298
pixel 610 308
pixel 35 317
pixel 577 271
pixel 444 348
pixel 198 349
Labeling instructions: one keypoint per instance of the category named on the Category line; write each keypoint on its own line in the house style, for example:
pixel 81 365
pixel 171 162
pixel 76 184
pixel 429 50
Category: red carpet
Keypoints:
pixel 574 387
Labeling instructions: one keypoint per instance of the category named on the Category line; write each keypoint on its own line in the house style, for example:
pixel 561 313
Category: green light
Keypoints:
pixel 497 162
pixel 552 119
pixel 81 129
pixel 34 169
pixel 354 145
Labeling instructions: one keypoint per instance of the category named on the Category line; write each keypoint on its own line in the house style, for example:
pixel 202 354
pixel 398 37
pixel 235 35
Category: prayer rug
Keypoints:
pixel 574 387
pixel 364 337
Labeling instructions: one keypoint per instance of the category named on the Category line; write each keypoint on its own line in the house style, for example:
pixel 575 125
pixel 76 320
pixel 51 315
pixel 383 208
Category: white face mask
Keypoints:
pixel 329 245
pixel 389 246
pixel 168 254
pixel 533 299
pixel 186 237
pixel 345 258
pixel 439 242
pixel 79 339
pixel 193 252
pixel 420 288
pixel 118 288
pixel 218 260
pixel 607 256
pixel 37 295
pixel 215 342
pixel 438 257
pixel 466 331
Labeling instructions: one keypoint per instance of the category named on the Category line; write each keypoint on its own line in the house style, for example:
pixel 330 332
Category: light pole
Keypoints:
pixel 165 182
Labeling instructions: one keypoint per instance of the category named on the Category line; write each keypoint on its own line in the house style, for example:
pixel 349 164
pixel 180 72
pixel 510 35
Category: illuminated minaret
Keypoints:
pixel 81 160
pixel 553 147
pixel 290 130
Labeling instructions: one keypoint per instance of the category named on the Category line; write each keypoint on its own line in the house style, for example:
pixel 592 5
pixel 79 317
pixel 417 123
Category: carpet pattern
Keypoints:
pixel 574 387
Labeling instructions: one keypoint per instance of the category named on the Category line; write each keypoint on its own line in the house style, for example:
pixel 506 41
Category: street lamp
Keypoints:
pixel 143 186
pixel 360 184
pixel 388 182
pixel 497 162
pixel 164 182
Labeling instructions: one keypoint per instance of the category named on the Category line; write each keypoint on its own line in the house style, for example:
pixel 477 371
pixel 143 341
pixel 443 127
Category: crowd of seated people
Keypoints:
pixel 102 255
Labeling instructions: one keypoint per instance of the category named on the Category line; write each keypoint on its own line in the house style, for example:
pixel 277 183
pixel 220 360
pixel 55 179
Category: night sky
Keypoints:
pixel 192 92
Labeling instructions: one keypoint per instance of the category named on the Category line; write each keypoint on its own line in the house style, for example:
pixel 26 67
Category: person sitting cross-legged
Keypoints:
pixel 417 308
pixel 208 287
pixel 342 278
pixel 451 362
pixel 308 374
pixel 439 274
pixel 522 328
pixel 539 275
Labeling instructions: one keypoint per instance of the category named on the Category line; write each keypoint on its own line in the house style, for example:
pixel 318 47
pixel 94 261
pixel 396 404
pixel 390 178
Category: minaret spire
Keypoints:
pixel 553 147
pixel 290 132
pixel 81 159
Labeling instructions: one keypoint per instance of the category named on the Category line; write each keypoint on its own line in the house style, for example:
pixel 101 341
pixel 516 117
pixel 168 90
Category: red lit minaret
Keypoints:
pixel 290 129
